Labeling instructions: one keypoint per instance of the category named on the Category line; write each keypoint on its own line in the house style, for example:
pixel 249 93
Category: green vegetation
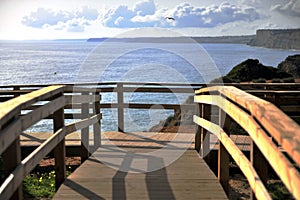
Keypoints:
pixel 288 80
pixel 236 129
pixel 278 191
pixel 276 80
pixel 260 80
pixel 172 120
pixel 41 184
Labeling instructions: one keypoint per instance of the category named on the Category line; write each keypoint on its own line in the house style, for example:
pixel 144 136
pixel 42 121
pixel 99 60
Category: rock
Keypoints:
pixel 249 70
pixel 291 65
pixel 253 70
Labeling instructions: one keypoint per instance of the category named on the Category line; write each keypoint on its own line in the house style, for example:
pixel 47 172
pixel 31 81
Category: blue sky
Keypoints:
pixel 39 19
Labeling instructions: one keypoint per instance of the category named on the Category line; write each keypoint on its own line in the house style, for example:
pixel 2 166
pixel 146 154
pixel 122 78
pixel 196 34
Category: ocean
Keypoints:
pixel 46 62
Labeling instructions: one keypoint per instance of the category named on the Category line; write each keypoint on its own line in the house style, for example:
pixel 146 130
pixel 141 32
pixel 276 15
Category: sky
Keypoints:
pixel 81 19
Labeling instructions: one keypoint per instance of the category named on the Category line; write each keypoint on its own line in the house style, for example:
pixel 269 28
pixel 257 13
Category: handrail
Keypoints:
pixel 85 96
pixel 123 87
pixel 12 124
pixel 263 121
pixel 13 107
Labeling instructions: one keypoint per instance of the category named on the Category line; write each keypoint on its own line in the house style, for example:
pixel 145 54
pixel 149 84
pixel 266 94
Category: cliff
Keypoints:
pixel 291 65
pixel 253 70
pixel 277 38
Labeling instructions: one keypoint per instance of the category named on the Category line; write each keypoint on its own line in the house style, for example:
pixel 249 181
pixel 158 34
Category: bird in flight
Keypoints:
pixel 170 18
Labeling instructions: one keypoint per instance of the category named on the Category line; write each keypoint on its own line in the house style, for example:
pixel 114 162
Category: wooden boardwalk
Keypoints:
pixel 129 166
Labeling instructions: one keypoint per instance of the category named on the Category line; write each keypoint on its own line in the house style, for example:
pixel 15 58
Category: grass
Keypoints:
pixel 41 184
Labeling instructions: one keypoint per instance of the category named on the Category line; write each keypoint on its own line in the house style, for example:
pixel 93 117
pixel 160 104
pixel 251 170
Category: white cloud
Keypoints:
pixel 189 16
pixel 292 8
pixel 72 21
pixel 144 8
pixel 145 14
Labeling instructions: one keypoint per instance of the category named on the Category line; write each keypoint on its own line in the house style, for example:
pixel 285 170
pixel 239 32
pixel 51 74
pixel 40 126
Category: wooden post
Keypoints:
pixel 12 157
pixel 198 130
pixel 260 165
pixel 97 126
pixel 205 113
pixel 84 131
pixel 120 107
pixel 223 155
pixel 60 150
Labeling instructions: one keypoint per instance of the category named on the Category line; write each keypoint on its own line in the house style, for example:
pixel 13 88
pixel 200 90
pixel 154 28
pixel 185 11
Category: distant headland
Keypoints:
pixel 269 38
pixel 277 38
pixel 220 39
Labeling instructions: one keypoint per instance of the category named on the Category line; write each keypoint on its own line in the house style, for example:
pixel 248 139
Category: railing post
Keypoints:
pixel 97 126
pixel 205 113
pixel 198 130
pixel 60 150
pixel 260 165
pixel 120 107
pixel 84 131
pixel 223 155
pixel 11 158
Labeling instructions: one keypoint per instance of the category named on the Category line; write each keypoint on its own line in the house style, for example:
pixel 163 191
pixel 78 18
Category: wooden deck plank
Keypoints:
pixel 187 178
pixel 100 177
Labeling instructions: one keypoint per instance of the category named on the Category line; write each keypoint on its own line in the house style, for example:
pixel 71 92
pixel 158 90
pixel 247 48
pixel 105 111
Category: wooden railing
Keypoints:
pixel 8 92
pixel 275 137
pixel 285 100
pixel 42 103
pixel 50 102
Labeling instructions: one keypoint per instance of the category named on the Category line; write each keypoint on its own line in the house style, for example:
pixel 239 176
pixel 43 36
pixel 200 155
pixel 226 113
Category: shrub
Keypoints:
pixel 276 80
pixel 169 120
pixel 289 80
pixel 260 80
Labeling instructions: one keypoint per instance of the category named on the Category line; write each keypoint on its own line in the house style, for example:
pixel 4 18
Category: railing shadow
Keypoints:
pixel 82 190
pixel 156 180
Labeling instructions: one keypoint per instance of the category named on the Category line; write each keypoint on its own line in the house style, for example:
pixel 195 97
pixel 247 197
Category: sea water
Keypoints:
pixel 46 62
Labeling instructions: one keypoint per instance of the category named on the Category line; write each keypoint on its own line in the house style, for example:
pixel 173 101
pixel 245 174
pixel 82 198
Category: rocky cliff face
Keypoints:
pixel 291 65
pixel 281 39
pixel 252 70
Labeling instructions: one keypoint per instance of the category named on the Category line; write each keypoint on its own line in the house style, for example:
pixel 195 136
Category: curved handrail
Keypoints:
pixel 13 107
pixel 12 124
pixel 261 120
pixel 28 163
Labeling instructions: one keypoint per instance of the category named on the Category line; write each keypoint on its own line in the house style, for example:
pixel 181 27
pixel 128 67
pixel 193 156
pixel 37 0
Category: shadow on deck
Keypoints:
pixel 146 166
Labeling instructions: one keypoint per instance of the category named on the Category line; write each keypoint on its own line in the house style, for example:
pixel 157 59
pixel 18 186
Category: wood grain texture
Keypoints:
pixel 186 178
pixel 260 119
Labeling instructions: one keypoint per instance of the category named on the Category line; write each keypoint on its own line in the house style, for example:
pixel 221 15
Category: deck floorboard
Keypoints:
pixel 143 166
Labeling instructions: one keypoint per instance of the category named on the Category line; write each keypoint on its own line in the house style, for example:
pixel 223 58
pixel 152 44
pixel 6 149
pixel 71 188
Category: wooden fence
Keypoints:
pixel 49 101
pixel 274 92
pixel 9 92
pixel 275 136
